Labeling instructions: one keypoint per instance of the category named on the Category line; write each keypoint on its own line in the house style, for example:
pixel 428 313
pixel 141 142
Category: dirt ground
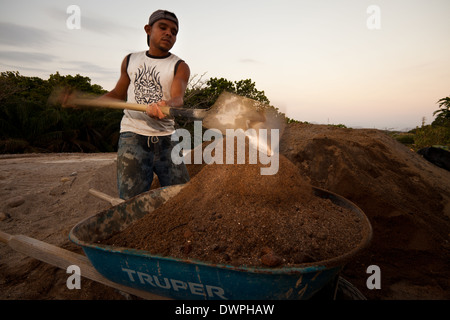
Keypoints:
pixel 406 199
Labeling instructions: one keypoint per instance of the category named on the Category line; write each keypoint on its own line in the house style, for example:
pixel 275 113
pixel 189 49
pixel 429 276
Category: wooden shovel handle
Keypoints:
pixel 115 104
pixel 108 103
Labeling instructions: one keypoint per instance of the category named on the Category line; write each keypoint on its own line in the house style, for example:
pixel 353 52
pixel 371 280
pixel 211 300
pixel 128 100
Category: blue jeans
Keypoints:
pixel 138 157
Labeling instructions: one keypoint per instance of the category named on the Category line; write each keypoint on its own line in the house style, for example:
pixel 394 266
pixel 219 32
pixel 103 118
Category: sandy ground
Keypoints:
pixel 44 195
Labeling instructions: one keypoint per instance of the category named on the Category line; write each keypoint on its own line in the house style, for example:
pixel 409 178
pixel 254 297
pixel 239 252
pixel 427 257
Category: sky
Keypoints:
pixel 366 64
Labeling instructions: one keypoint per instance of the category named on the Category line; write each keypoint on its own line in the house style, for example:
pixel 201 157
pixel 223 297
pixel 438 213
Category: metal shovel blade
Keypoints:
pixel 235 112
pixel 231 111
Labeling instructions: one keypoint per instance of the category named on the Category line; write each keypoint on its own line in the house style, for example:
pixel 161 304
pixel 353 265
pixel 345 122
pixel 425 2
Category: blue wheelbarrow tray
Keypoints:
pixel 190 279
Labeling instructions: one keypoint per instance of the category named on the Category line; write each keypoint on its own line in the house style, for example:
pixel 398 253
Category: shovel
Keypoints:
pixel 230 111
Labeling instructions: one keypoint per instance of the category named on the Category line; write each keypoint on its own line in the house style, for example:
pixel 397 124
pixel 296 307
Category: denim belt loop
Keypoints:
pixel 155 139
pixel 152 139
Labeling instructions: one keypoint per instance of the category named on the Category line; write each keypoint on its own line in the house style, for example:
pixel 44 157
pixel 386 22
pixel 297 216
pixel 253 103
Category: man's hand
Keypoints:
pixel 154 111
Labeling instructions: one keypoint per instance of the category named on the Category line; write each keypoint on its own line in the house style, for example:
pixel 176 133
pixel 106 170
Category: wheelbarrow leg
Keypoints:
pixel 347 291
pixel 328 292
pixel 339 289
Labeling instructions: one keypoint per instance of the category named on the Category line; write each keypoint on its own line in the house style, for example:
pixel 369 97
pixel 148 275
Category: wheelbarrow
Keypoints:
pixel 175 278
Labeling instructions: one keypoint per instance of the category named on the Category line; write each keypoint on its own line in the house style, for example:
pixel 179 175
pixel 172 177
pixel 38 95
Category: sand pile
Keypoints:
pixel 231 214
pixel 406 198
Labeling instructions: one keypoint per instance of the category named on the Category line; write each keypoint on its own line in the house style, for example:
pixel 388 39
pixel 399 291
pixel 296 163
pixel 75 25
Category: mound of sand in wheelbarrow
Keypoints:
pixel 231 214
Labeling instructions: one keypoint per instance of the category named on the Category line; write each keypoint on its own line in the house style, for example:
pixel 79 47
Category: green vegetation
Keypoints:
pixel 203 94
pixel 340 125
pixel 436 134
pixel 28 123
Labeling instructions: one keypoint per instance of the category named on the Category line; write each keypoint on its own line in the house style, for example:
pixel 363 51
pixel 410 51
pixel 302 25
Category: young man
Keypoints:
pixel 154 78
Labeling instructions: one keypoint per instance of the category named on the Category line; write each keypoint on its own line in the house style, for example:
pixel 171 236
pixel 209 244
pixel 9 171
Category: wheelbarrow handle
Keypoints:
pixel 63 258
pixel 113 201
pixel 4 237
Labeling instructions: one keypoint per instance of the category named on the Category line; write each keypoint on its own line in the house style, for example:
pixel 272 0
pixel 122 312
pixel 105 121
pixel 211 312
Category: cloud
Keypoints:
pixel 26 56
pixel 23 36
pixel 30 61
pixel 38 72
pixel 35 62
pixel 88 67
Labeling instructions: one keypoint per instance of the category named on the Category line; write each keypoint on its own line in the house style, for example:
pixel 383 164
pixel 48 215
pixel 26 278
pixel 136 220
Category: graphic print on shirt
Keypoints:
pixel 147 86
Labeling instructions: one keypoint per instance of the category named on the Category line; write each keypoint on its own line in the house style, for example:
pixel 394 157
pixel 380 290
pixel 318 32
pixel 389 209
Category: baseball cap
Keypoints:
pixel 159 15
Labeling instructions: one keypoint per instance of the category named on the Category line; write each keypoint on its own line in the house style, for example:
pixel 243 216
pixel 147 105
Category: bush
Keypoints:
pixel 28 123
pixel 429 135
pixel 404 138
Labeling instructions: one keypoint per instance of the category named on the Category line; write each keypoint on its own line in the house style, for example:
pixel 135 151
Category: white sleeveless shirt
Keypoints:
pixel 150 81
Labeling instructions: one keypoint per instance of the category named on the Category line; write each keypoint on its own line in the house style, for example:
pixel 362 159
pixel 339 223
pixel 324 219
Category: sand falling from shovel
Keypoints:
pixel 233 115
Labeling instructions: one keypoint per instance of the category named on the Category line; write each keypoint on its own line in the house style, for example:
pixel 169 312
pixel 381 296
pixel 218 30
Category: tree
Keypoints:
pixel 28 123
pixel 201 94
pixel 443 113
pixel 438 133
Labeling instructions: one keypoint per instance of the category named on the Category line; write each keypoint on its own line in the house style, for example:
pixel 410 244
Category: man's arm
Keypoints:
pixel 120 90
pixel 179 85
